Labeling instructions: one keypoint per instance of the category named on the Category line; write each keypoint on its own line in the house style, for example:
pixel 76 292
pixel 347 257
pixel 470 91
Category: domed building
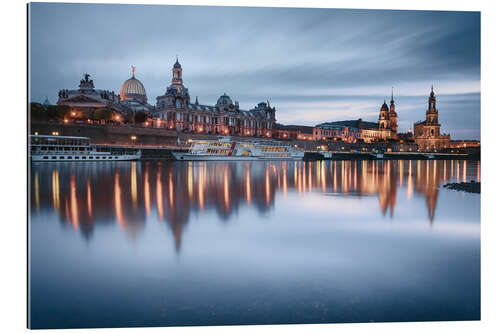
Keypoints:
pixel 175 111
pixel 133 95
pixel 225 103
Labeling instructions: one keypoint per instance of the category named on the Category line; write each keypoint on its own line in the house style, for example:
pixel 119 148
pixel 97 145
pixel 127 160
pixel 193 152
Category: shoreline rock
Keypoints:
pixel 469 187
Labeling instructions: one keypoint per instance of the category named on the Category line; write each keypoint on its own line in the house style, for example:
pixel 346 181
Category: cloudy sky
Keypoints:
pixel 314 65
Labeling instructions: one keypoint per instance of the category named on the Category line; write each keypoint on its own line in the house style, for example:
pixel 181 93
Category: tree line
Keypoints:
pixel 38 112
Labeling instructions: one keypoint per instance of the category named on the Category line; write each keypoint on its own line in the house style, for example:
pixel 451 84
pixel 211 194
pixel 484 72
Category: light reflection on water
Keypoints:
pixel 310 198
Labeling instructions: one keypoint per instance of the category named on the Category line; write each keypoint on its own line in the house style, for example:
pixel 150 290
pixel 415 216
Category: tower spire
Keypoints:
pixel 133 71
pixel 392 94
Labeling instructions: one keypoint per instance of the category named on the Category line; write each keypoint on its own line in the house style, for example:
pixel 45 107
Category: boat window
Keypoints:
pixel 45 157
pixel 77 158
pixel 84 157
pixel 70 158
pixel 91 157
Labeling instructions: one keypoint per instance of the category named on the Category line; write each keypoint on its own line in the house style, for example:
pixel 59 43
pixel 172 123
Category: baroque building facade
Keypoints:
pixel 358 130
pixel 87 99
pixel 426 133
pixel 174 110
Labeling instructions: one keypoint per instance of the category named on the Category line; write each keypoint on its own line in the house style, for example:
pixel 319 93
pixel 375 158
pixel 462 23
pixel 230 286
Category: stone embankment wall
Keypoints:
pixel 109 134
pixel 122 135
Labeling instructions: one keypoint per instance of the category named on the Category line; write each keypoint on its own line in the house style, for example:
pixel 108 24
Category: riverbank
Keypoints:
pixel 469 187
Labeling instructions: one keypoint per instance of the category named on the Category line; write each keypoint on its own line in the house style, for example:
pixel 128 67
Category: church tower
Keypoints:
pixel 432 112
pixel 393 116
pixel 176 96
pixel 177 73
pixel 383 119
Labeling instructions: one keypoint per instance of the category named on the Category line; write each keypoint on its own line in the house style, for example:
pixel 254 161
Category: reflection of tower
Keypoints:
pixel 431 196
pixel 387 188
pixel 428 179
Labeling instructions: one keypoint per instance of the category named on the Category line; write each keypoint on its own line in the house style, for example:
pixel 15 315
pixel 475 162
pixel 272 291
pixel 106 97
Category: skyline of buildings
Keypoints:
pixel 311 74
pixel 174 110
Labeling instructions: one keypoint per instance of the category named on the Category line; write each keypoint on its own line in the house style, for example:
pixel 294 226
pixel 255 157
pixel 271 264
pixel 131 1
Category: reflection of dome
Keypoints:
pixel 133 89
pixel 224 100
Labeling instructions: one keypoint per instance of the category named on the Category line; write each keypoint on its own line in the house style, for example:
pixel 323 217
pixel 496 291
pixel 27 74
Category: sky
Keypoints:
pixel 313 65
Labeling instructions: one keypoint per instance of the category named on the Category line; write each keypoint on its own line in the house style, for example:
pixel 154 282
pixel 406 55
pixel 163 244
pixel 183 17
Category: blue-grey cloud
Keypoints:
pixel 313 64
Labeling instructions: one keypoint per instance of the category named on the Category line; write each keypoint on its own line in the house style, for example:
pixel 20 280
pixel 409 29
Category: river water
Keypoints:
pixel 159 243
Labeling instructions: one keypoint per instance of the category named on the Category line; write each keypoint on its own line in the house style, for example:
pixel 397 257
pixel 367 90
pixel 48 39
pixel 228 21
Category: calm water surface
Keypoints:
pixel 210 243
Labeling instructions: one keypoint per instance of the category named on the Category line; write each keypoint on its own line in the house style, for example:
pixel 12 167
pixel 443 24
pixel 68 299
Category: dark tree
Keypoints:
pixel 37 112
pixel 103 114
pixel 57 111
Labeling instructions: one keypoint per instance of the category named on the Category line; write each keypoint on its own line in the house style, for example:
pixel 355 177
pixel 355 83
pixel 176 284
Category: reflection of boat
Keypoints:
pixel 76 148
pixel 225 149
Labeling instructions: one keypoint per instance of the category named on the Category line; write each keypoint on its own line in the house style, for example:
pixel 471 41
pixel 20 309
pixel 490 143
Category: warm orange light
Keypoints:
pixel 73 113
pixel 74 203
pixel 147 195
pixel 66 120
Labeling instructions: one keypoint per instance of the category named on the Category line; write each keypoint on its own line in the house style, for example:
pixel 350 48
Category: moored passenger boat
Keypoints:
pixel 226 149
pixel 47 148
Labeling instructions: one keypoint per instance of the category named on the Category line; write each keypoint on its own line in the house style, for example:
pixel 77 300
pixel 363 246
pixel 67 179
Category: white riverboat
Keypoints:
pixel 226 149
pixel 52 148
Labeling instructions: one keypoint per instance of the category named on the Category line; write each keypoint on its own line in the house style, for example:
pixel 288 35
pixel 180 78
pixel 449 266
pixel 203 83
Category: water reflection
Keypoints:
pixel 128 193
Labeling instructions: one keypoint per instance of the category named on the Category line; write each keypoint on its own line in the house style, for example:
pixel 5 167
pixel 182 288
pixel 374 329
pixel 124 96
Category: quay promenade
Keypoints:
pixel 159 142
